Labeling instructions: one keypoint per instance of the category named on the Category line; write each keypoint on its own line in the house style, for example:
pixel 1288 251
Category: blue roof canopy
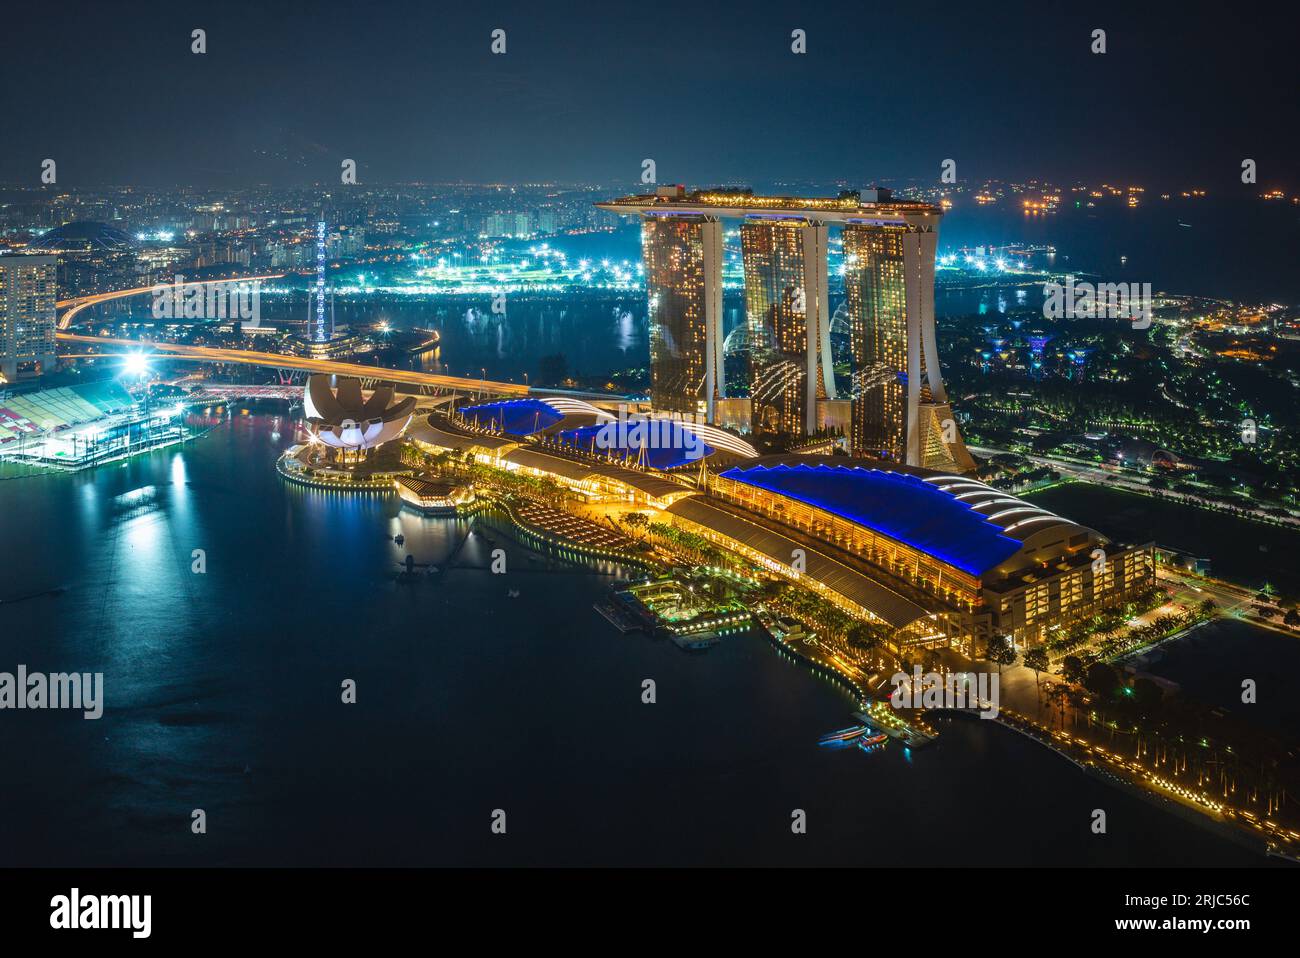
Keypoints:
pixel 899 505
pixel 518 417
pixel 666 442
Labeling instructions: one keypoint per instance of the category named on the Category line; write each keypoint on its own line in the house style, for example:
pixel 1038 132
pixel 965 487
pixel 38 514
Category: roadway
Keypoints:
pixel 1077 469
pixel 74 306
pixel 212 354
pixel 251 357
pixel 1234 601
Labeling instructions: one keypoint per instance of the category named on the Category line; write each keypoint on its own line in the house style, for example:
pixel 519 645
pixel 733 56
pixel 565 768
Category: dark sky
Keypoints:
pixel 710 91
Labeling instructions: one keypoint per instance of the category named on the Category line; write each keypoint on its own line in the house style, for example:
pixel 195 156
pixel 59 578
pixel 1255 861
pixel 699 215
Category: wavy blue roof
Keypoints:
pixel 665 440
pixel 897 504
pixel 518 417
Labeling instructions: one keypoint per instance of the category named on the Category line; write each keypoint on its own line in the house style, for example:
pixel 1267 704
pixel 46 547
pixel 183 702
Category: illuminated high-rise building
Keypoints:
pixel 683 272
pixel 789 322
pixel 27 315
pixel 900 407
pixel 321 325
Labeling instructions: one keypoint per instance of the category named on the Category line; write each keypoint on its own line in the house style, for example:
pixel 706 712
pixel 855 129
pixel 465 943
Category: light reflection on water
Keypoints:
pixel 475 691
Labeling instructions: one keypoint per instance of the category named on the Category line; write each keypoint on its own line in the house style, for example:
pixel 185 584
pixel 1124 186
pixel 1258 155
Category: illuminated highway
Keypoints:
pixel 74 306
pixel 245 357
pixel 1127 480
pixel 249 357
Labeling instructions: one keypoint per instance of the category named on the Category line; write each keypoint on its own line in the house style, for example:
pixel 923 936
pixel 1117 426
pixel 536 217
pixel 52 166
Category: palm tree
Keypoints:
pixel 1077 700
pixel 1059 695
pixel 1072 668
pixel 1036 659
pixel 863 636
pixel 1000 652
pixel 636 521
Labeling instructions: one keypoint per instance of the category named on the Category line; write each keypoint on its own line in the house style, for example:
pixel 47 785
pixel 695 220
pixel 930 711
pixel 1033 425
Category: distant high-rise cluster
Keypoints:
pixel 27 315
pixel 894 408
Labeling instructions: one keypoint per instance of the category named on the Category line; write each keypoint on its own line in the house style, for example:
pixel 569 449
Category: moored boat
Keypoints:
pixel 844 736
pixel 696 641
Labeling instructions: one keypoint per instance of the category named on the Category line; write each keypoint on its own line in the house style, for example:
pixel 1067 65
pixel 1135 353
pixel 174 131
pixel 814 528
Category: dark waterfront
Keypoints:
pixel 1242 550
pixel 223 693
pixel 1210 661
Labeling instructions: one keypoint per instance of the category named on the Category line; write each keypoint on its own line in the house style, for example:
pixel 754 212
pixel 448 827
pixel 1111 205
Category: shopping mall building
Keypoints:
pixel 939 559
pixel 949 559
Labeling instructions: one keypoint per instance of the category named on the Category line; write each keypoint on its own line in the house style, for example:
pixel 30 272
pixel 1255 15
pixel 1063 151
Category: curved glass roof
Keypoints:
pixel 666 441
pixel 518 417
pixel 899 505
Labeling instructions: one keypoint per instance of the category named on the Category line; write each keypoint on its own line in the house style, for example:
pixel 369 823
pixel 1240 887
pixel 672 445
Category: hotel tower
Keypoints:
pixel 900 409
pixel 787 309
pixel 683 274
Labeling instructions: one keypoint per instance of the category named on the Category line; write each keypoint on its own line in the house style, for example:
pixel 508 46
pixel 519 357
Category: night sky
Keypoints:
pixel 710 91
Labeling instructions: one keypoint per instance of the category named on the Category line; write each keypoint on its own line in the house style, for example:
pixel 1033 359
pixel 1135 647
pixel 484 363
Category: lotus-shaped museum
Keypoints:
pixel 342 417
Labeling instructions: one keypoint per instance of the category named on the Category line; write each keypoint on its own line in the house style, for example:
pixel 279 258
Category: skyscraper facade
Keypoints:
pixel 900 406
pixel 788 314
pixel 27 315
pixel 683 271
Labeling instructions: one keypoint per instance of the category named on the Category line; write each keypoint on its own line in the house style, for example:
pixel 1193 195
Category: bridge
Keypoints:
pixel 219 393
pixel 427 383
pixel 72 307
pixel 369 375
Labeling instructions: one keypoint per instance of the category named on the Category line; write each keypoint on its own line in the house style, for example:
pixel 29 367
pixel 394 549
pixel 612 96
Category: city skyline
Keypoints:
pixel 742 436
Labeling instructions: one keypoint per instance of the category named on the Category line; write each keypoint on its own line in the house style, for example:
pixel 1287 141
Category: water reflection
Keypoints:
pixel 222 693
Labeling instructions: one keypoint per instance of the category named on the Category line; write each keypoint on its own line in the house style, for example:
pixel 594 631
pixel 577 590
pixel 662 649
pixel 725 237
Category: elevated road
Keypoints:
pixel 249 357
pixel 219 393
pixel 71 307
pixel 1129 482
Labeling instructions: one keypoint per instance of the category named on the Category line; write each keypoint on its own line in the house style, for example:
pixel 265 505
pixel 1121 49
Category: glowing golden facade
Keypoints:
pixel 789 322
pixel 683 271
pixel 900 406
